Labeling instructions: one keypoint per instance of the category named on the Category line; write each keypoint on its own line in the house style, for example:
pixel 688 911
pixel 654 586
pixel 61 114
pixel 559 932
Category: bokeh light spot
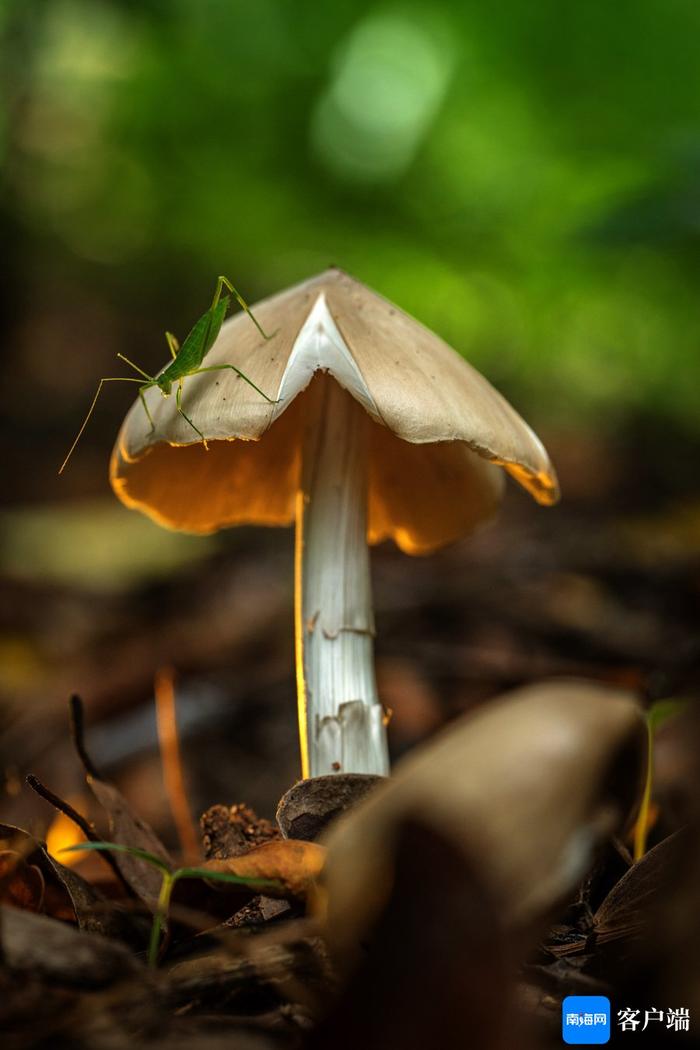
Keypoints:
pixel 389 79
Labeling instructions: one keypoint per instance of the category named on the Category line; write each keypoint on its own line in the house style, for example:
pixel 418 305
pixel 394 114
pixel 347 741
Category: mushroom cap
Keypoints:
pixel 438 434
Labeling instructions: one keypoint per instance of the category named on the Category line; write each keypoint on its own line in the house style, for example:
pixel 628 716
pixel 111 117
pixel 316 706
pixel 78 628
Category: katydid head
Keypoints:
pixel 165 385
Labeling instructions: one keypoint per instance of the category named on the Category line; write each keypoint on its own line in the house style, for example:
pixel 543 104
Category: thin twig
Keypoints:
pixel 64 807
pixel 77 727
pixel 171 761
pixel 85 826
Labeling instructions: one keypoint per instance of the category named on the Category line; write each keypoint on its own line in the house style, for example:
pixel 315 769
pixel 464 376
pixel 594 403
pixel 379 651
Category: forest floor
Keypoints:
pixel 604 587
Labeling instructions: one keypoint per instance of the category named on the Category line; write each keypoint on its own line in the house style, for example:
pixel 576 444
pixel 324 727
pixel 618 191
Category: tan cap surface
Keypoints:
pixel 438 426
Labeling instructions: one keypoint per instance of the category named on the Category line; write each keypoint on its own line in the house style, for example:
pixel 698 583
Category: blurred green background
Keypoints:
pixel 522 177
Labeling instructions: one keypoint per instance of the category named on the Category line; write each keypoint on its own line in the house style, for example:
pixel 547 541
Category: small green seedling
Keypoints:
pixel 658 714
pixel 170 878
pixel 186 361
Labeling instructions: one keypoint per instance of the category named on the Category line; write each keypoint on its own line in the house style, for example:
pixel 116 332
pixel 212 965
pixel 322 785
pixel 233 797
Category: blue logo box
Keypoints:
pixel 585 1020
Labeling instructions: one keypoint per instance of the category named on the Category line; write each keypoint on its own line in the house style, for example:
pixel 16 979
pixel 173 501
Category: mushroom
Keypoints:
pixel 379 431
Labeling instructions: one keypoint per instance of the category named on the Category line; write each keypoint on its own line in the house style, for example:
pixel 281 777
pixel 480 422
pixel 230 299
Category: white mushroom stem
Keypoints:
pixel 341 719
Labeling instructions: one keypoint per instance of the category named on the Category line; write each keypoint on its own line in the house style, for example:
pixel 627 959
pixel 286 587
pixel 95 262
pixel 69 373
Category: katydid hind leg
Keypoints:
pixel 178 405
pixel 142 391
pixel 173 344
pixel 219 368
pixel 106 379
pixel 241 302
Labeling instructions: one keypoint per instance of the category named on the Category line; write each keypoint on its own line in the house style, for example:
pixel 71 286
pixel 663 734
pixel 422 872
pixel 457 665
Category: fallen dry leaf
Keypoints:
pixel 295 864
pixel 55 896
pixel 22 885
pixel 66 895
pixel 126 828
pixel 435 970
pixel 630 906
pixel 45 946
pixel 529 783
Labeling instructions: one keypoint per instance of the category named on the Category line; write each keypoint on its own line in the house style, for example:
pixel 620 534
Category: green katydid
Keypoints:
pixel 186 361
